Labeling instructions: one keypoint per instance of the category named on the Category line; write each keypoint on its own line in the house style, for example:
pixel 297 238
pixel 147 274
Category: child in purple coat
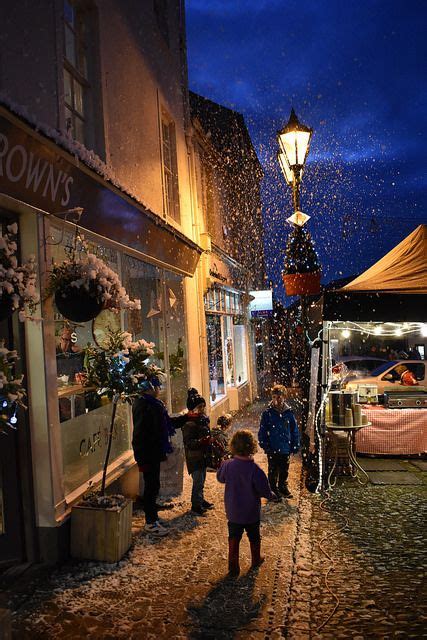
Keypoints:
pixel 245 485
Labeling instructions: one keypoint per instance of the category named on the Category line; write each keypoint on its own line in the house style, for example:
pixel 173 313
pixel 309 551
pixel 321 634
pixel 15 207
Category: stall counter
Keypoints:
pixel 393 431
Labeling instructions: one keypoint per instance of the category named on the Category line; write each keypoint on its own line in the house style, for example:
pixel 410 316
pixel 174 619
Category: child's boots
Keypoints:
pixel 257 559
pixel 233 557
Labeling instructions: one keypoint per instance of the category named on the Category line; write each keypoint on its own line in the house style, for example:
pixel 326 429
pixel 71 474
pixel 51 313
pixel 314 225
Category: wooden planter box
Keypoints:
pixel 101 534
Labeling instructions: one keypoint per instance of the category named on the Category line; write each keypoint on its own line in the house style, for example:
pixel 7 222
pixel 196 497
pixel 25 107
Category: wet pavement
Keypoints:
pixel 177 587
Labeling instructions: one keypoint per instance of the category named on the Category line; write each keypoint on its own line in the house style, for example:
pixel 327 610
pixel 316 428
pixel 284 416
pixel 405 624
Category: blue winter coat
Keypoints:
pixel 278 432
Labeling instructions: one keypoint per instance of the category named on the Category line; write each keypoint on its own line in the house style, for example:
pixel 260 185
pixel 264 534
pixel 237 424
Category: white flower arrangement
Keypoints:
pixel 91 274
pixel 12 393
pixel 17 282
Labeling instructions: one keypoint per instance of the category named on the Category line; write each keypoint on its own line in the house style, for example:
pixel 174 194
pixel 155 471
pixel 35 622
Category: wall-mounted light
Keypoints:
pixel 346 333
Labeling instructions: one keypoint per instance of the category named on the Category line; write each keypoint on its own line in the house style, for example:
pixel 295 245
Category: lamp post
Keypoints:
pixel 294 142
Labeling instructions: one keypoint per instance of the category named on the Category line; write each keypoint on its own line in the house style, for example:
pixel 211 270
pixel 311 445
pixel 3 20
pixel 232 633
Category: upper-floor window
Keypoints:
pixel 170 169
pixel 76 82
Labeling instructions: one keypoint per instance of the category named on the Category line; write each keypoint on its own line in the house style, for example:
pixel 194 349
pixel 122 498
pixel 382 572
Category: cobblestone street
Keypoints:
pixel 177 587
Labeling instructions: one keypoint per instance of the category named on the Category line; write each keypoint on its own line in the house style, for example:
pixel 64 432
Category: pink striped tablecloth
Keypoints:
pixel 393 432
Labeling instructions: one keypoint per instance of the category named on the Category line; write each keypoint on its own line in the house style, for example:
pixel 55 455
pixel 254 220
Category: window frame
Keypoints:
pixel 170 177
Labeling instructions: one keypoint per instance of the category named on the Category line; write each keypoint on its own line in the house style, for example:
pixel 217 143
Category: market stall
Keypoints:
pixel 382 313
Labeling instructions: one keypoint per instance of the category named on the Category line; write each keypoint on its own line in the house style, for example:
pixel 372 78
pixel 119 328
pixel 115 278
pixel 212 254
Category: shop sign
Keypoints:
pixel 261 304
pixel 221 272
pixel 42 175
pixel 216 274
pixel 30 172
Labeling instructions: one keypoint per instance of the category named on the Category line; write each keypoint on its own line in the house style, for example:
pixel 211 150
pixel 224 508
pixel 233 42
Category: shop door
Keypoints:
pixel 11 541
pixel 11 523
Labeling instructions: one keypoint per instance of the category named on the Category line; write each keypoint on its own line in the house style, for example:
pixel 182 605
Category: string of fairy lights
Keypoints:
pixel 383 330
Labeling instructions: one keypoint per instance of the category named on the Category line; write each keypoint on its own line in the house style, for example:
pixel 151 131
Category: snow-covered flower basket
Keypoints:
pixel 84 286
pixel 12 393
pixel 17 282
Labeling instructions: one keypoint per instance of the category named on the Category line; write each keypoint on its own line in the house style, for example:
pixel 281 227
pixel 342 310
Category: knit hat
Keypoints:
pixel 193 399
pixel 149 385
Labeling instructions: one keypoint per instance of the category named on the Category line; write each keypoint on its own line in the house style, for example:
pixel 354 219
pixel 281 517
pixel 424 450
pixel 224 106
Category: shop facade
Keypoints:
pixel 57 452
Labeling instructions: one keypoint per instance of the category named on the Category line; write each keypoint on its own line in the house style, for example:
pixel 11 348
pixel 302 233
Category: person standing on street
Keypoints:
pixel 245 485
pixel 196 434
pixel 151 442
pixel 279 437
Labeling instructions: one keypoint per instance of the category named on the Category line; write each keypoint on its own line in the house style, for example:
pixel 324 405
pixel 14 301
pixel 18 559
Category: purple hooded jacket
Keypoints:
pixel 245 485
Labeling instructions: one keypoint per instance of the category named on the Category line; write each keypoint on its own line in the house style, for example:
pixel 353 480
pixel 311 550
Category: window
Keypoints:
pixel 226 337
pixel 81 72
pixel 76 83
pixel 229 349
pixel 170 169
pixel 215 357
pixel 241 367
pixel 84 415
pixel 161 320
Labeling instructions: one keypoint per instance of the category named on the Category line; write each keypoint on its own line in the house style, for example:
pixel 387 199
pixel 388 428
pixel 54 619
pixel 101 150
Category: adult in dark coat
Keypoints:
pixel 151 442
pixel 197 440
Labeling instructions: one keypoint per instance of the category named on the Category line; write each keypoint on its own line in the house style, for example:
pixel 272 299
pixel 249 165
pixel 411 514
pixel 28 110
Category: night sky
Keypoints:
pixel 355 72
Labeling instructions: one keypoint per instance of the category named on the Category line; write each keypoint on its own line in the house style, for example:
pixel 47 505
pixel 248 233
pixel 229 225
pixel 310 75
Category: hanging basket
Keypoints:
pixel 6 307
pixel 78 305
pixel 302 284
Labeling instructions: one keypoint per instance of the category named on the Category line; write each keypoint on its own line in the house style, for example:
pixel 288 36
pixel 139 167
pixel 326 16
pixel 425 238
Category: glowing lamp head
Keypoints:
pixel 346 333
pixel 378 330
pixel 398 332
pixel 13 420
pixel 294 141
pixel 424 330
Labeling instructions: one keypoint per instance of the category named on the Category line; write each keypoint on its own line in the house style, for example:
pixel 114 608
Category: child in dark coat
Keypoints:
pixel 279 437
pixel 196 434
pixel 219 445
pixel 245 485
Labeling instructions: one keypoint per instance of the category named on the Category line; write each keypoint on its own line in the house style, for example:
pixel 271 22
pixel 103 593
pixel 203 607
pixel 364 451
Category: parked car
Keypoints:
pixel 386 375
pixel 360 365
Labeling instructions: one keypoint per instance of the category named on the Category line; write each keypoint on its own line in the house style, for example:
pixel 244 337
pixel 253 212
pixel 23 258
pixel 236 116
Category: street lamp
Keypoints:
pixel 294 141
pixel 301 274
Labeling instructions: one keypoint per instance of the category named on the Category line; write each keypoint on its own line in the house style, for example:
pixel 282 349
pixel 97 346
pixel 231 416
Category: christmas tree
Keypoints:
pixel 300 256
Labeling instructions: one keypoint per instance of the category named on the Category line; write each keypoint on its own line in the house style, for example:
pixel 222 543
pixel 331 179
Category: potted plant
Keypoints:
pixel 17 282
pixel 12 393
pixel 302 271
pixel 101 524
pixel 83 285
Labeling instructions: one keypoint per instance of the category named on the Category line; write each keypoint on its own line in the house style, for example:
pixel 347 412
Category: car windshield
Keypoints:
pixel 383 367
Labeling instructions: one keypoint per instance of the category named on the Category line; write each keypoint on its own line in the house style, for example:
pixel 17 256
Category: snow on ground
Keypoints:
pixel 176 586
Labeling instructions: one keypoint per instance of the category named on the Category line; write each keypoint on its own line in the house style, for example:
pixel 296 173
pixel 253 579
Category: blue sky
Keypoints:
pixel 355 72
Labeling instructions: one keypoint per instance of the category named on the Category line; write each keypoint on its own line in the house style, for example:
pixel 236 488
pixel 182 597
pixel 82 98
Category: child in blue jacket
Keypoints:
pixel 279 437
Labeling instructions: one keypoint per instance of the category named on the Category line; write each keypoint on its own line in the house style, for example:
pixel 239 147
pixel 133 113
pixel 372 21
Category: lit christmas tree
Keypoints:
pixel 300 256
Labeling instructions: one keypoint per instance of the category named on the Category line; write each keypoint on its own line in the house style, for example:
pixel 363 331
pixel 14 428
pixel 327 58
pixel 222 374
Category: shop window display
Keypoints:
pixel 241 367
pixel 84 415
pixel 176 340
pixel 229 350
pixel 215 357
